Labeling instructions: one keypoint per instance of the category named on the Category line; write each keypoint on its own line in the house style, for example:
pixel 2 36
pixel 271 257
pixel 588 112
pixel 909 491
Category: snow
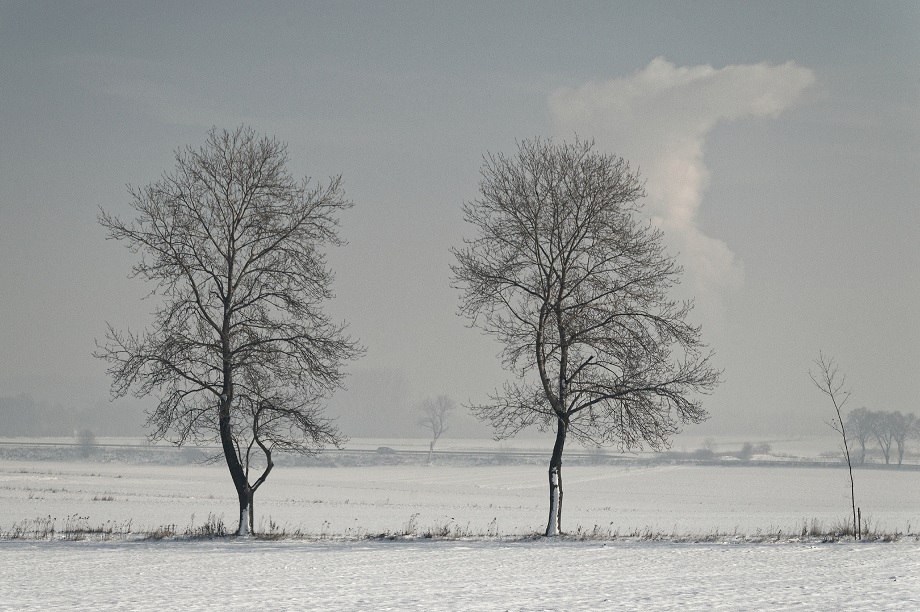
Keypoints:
pixel 496 565
pixel 508 499
pixel 457 575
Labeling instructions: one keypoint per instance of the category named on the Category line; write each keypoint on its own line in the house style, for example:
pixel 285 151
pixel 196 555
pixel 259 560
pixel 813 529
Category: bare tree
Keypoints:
pixel 86 441
pixel 859 426
pixel 575 288
pixel 435 413
pixel 831 382
pixel 883 431
pixel 902 427
pixel 239 342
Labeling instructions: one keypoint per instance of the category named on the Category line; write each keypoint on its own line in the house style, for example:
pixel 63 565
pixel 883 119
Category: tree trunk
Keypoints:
pixel 846 450
pixel 236 469
pixel 430 451
pixel 554 525
pixel 243 529
pixel 252 512
pixel 251 489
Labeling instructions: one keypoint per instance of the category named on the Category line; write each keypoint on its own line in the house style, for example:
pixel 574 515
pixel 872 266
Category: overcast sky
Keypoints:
pixel 780 142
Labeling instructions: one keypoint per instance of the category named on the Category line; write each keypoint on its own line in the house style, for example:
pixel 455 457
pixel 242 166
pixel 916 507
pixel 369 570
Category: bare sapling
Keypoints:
pixel 831 381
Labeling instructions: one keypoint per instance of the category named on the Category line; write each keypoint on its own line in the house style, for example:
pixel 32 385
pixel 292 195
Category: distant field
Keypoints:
pixel 825 448
pixel 686 442
pixel 492 499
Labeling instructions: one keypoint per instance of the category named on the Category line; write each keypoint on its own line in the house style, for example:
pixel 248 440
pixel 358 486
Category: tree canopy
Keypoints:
pixel 233 246
pixel 574 285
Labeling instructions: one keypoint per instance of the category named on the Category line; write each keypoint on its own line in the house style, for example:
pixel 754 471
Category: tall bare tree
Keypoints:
pixel 232 244
pixel 859 426
pixel 832 383
pixel 575 287
pixel 434 416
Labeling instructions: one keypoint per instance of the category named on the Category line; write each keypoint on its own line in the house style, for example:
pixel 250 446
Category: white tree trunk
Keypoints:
pixel 243 529
pixel 552 527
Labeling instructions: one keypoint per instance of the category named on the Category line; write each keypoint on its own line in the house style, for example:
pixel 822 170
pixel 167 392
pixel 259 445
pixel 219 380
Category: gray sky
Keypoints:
pixel 779 141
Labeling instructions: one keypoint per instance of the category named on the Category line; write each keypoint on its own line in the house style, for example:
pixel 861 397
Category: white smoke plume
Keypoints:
pixel 659 119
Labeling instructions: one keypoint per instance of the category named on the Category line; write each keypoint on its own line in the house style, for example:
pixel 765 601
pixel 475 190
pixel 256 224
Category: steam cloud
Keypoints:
pixel 658 119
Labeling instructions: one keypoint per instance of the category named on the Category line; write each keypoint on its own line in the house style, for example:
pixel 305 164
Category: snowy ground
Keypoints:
pixel 439 575
pixel 507 500
pixel 500 568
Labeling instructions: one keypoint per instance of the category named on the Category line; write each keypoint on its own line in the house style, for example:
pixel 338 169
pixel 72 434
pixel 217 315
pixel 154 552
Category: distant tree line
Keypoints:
pixel 889 431
pixel 21 415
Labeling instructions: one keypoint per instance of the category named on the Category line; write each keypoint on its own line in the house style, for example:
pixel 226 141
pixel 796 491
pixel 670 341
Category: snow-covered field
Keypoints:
pixel 452 575
pixel 507 500
pixel 500 568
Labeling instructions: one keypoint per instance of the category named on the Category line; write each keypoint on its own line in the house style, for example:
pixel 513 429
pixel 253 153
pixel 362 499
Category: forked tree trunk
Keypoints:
pixel 236 469
pixel 245 502
pixel 251 489
pixel 554 525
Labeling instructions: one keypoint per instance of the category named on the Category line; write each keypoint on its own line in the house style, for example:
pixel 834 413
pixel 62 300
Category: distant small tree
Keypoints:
pixel 903 427
pixel 710 445
pixel 859 426
pixel 435 413
pixel 746 452
pixel 831 382
pixel 86 440
pixel 883 432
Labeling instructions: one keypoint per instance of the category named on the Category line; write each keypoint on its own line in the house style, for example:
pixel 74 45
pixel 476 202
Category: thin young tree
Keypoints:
pixel 831 382
pixel 565 275
pixel 434 416
pixel 233 246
